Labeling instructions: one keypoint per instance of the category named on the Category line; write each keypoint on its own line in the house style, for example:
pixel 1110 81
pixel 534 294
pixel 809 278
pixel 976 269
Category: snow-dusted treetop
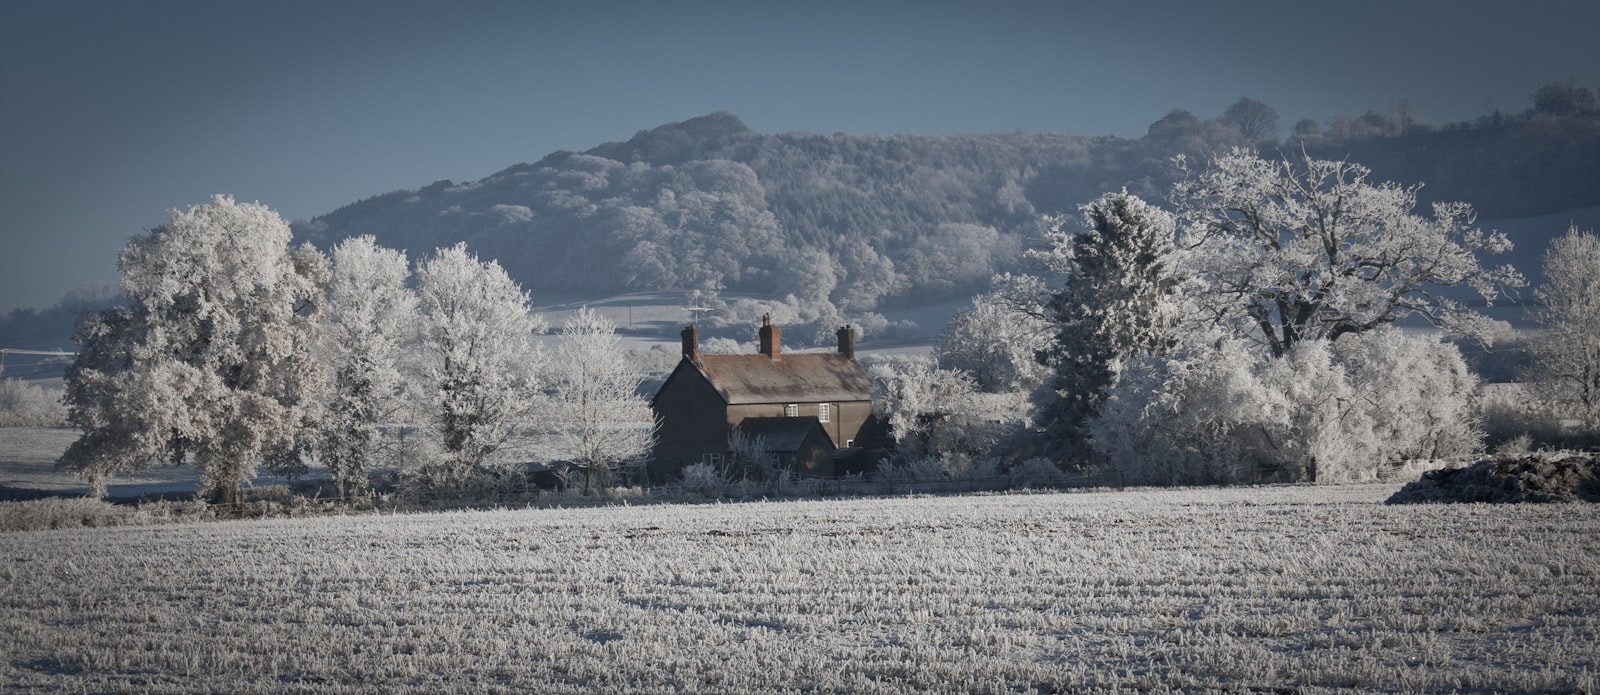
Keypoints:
pixel 1306 248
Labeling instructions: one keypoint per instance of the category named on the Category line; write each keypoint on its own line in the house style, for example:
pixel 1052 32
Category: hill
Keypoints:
pixel 860 223
pixel 852 225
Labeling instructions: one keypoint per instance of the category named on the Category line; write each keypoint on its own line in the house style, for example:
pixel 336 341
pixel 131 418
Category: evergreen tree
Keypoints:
pixel 1117 301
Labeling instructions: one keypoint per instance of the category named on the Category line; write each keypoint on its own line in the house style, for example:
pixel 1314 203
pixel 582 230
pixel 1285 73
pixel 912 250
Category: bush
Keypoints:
pixel 88 512
pixel 1197 417
pixel 26 405
pixel 1545 477
pixel 1035 472
pixel 62 512
pixel 1330 412
pixel 704 479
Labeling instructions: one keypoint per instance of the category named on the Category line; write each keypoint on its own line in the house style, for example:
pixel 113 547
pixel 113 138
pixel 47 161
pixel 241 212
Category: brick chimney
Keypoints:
pixel 847 341
pixel 770 335
pixel 691 343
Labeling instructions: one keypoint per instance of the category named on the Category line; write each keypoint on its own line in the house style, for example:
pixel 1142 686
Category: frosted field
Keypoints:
pixel 1302 588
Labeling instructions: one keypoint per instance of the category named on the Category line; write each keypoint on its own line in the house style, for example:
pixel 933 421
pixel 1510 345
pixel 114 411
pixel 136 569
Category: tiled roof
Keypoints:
pixel 807 377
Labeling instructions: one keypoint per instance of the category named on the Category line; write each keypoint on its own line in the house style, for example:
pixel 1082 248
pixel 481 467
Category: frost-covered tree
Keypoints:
pixel 371 313
pixel 1303 249
pixel 211 360
pixel 996 340
pixel 749 458
pixel 940 412
pixel 1368 400
pixel 101 385
pixel 481 363
pixel 1215 411
pixel 596 414
pixel 1198 415
pixel 1420 397
pixel 23 404
pixel 1117 301
pixel 1567 352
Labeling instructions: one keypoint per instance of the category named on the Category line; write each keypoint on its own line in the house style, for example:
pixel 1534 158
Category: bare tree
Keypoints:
pixel 1254 120
pixel 597 415
pixel 1567 353
pixel 748 457
pixel 996 340
pixel 1307 248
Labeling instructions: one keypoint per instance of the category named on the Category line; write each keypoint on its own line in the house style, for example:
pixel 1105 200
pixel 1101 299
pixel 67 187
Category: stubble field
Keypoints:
pixel 1277 588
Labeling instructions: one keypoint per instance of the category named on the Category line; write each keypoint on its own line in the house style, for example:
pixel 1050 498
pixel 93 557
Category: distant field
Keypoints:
pixel 28 458
pixel 1274 588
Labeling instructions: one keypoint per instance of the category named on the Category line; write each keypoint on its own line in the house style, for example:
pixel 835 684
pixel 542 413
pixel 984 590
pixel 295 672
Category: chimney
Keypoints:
pixel 847 341
pixel 691 343
pixel 770 335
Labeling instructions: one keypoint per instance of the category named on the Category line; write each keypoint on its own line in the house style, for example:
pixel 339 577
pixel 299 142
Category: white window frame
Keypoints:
pixel 791 410
pixel 824 411
pixel 711 458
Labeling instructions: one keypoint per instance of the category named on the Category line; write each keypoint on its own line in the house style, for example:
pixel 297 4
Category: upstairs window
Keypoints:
pixel 823 411
pixel 791 410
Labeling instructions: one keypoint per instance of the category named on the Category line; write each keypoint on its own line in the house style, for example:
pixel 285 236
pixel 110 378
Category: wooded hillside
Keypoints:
pixel 875 221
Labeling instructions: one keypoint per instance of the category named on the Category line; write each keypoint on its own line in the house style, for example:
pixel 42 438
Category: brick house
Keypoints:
pixel 805 405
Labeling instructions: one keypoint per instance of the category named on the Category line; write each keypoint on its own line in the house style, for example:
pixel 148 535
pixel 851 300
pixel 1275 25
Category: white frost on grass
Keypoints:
pixel 1249 588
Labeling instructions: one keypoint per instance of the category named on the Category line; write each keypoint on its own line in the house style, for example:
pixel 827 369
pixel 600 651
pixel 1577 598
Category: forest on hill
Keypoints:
pixel 862 223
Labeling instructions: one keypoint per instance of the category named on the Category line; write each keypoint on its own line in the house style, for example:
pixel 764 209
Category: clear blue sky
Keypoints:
pixel 113 112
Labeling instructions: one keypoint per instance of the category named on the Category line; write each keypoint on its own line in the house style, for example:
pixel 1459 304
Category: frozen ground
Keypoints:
pixel 1274 588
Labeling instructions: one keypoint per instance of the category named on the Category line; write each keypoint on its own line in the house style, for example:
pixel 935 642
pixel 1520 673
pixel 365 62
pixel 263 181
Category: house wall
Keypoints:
pixel 815 457
pixel 693 422
pixel 843 425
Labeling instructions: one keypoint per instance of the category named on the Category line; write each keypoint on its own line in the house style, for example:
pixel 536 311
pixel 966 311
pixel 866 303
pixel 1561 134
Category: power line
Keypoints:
pixel 4 352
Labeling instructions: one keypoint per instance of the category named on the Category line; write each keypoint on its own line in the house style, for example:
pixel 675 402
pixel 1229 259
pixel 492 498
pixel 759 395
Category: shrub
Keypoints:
pixel 63 512
pixel 704 479
pixel 1035 472
pixel 1341 411
pixel 27 405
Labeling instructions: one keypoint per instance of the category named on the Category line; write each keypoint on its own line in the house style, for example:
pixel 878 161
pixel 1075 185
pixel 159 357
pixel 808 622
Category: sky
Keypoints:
pixel 113 113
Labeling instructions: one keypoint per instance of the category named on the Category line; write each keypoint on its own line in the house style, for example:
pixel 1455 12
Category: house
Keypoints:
pixel 804 405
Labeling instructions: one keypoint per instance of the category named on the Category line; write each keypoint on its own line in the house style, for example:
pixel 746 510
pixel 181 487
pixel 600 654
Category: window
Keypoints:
pixel 712 459
pixel 823 412
pixel 791 410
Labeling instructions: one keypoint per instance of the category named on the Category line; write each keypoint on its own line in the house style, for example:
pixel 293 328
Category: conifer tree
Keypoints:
pixel 1117 301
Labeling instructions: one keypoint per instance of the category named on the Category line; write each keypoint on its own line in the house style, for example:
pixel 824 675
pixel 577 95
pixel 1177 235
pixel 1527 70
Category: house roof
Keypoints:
pixel 783 434
pixel 807 377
